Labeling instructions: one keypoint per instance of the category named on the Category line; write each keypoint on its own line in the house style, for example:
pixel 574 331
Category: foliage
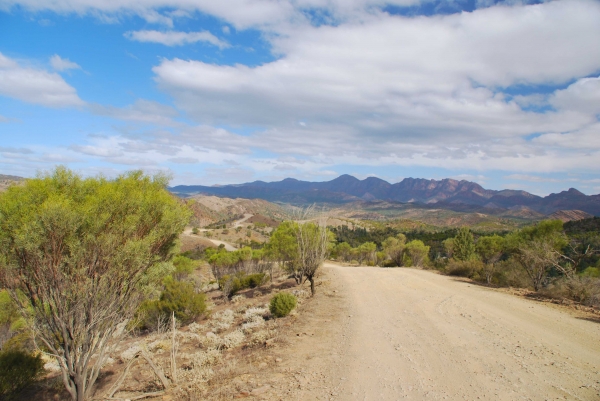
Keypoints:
pixel 282 243
pixel 14 332
pixel 583 289
pixel 464 245
pixel 184 266
pixel 509 273
pixel 18 369
pixel 591 272
pixel 342 251
pixel 282 304
pixel 314 244
pixel 418 253
pixel 394 248
pixel 464 268
pixel 178 297
pixel 366 252
pixel 301 248
pixel 231 284
pixel 449 246
pixel 83 252
pixel 537 249
pixel 490 251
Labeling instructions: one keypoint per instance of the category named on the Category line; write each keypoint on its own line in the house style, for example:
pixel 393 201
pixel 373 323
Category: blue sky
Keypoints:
pixel 503 93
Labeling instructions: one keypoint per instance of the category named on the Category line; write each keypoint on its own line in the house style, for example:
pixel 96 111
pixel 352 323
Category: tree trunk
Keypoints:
pixel 312 285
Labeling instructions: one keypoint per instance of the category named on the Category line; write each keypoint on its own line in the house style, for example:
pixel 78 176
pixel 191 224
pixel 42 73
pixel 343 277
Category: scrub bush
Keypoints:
pixel 282 304
pixel 18 369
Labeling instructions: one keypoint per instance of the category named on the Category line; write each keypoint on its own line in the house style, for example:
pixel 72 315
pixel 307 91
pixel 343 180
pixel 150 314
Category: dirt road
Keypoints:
pixel 413 334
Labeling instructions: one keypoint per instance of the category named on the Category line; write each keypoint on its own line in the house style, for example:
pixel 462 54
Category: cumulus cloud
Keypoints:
pixel 62 64
pixel 352 84
pixel 582 96
pixel 35 85
pixel 240 13
pixel 175 38
pixel 429 90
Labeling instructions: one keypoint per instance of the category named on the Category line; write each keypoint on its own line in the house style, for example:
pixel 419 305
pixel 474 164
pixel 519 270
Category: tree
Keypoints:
pixel 464 245
pixel 313 241
pixel 284 248
pixel 84 252
pixel 394 248
pixel 342 251
pixel 538 248
pixel 367 251
pixel 448 244
pixel 418 252
pixel 184 266
pixel 490 250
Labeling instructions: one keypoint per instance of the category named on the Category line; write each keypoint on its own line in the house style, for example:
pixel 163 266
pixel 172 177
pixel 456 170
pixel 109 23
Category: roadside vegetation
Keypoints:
pixel 98 301
pixel 95 291
pixel 555 260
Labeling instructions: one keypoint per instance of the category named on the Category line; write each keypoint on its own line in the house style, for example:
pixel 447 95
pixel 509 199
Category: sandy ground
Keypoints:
pixel 228 246
pixel 391 334
pixel 240 222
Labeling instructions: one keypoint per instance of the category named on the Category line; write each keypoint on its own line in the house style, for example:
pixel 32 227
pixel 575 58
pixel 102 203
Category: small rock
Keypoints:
pixel 129 353
pixel 260 390
pixel 262 365
pixel 278 360
pixel 52 366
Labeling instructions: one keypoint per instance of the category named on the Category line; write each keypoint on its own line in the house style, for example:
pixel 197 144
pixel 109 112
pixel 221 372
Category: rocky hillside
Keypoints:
pixel 7 180
pixel 212 209
pixel 569 215
pixel 446 194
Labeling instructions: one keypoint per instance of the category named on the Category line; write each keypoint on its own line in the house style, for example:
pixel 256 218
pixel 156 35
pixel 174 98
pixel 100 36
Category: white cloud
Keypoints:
pixel 184 160
pixel 142 111
pixel 582 96
pixel 369 89
pixel 175 38
pixel 241 13
pixel 21 151
pixel 62 64
pixel 422 91
pixel 34 85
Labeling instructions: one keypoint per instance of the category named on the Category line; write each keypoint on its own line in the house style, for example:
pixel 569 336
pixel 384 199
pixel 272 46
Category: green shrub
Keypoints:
pixel 282 304
pixel 184 266
pixel 585 290
pixel 254 280
pixel 179 297
pixel 18 369
pixel 510 274
pixel 231 284
pixel 591 272
pixel 464 268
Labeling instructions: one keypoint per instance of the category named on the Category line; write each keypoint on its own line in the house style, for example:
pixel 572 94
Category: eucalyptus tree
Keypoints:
pixel 79 254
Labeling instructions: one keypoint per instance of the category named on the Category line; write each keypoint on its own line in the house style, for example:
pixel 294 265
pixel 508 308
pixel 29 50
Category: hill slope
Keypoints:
pixel 446 193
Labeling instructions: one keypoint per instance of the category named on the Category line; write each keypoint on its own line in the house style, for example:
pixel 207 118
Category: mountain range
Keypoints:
pixel 446 193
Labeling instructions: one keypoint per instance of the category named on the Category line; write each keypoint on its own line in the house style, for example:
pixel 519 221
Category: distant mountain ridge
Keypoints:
pixel 443 193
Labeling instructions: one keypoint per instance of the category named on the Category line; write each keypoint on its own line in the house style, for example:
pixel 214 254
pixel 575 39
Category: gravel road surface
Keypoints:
pixel 416 335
